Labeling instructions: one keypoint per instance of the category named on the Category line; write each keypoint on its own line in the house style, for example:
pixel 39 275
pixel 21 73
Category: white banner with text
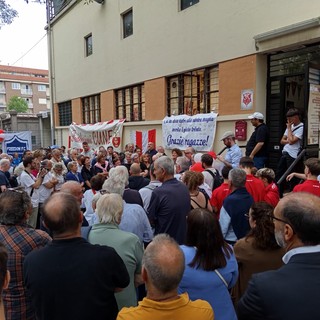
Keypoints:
pixel 97 134
pixel 184 131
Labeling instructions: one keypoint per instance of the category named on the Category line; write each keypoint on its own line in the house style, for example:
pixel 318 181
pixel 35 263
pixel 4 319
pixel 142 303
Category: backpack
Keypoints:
pixel 217 179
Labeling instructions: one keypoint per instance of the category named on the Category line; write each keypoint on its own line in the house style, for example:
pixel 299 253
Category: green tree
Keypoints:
pixel 18 104
pixel 7 14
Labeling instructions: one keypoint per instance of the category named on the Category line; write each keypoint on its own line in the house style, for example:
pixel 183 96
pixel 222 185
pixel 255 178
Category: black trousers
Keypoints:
pixel 284 163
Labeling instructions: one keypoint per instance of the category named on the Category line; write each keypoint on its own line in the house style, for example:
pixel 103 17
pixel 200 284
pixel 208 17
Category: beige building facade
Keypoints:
pixel 143 60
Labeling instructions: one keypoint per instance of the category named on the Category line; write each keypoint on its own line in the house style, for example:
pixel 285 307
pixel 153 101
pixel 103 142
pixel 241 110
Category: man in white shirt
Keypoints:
pixel 87 151
pixel 292 141
pixel 47 185
pixel 31 186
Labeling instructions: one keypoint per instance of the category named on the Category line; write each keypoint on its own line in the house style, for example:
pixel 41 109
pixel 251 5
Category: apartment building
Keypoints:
pixel 143 60
pixel 32 85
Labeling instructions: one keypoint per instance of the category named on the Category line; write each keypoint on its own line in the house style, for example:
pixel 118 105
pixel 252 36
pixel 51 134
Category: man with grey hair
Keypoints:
pixel 233 220
pixel 20 240
pixel 189 153
pixel 170 203
pixel 4 167
pixel 134 218
pixel 56 158
pixel 182 165
pixel 162 271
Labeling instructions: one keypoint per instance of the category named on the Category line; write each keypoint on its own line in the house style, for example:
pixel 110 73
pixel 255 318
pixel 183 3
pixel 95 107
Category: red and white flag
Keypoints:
pixel 141 138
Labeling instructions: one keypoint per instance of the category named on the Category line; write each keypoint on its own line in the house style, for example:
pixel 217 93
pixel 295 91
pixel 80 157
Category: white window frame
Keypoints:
pixel 15 86
pixel 42 88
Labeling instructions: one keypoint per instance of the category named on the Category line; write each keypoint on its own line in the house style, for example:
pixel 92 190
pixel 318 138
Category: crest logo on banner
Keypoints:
pixel 98 134
pixel 184 131
pixel 17 142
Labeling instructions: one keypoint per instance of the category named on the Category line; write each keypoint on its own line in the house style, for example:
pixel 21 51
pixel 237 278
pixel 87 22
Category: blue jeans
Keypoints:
pixel 259 162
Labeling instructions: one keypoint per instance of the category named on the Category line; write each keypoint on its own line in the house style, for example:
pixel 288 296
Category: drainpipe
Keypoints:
pixel 51 73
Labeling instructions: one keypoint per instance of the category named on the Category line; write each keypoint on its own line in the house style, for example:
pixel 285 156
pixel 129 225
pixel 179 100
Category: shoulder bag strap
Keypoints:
pixel 31 193
pixel 297 128
pixel 221 277
pixel 210 172
pixel 194 201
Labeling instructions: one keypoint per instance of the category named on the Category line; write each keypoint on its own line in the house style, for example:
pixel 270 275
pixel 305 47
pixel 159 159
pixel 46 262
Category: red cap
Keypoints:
pixel 212 154
pixel 196 167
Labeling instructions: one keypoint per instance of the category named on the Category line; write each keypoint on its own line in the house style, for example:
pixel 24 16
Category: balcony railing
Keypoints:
pixel 55 6
pixel 27 92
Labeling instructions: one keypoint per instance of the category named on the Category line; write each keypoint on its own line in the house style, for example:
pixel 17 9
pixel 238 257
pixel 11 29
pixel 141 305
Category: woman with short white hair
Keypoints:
pixel 109 209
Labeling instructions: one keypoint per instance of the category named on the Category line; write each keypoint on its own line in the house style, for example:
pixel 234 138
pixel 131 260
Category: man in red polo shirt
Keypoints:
pixel 311 171
pixel 220 193
pixel 253 185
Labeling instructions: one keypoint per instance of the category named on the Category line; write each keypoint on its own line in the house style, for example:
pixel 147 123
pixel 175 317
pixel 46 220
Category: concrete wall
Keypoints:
pixel 40 127
pixel 165 40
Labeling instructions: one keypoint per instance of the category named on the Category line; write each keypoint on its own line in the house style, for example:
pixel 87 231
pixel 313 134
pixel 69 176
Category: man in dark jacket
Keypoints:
pixel 71 278
pixel 136 180
pixel 233 220
pixel 291 292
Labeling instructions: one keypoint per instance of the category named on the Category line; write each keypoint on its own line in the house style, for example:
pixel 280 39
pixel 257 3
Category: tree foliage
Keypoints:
pixel 7 14
pixel 17 104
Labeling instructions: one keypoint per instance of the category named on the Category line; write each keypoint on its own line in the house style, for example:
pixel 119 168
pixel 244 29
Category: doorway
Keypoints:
pixel 289 79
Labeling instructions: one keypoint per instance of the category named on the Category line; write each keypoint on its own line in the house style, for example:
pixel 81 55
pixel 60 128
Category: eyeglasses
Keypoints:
pixel 15 190
pixel 281 220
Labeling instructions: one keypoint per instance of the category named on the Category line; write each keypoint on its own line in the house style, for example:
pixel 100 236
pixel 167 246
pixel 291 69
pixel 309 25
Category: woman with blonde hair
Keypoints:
pixel 193 180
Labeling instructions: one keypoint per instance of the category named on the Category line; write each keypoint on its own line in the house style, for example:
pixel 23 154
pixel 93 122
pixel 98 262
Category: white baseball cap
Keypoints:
pixel 256 115
pixel 227 134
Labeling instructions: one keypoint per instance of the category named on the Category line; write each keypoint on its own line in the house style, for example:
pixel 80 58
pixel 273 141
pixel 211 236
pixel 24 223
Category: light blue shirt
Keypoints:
pixel 206 285
pixel 146 193
pixel 304 249
pixel 233 155
pixel 226 226
pixel 134 219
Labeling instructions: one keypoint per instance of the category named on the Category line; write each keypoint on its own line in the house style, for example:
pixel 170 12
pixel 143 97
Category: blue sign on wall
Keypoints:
pixel 17 142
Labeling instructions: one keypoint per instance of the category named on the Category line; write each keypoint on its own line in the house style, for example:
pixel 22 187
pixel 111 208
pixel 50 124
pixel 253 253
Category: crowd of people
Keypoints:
pixel 132 235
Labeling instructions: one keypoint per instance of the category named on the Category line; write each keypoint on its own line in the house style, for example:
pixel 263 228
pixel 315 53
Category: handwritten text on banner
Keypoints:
pixel 184 131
